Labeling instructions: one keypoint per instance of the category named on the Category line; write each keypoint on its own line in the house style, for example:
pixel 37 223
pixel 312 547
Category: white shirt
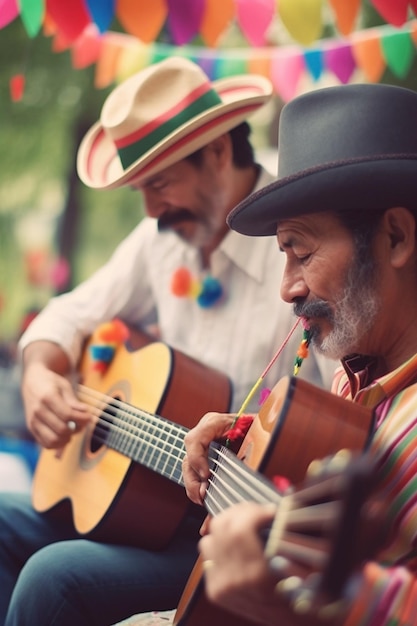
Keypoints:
pixel 238 336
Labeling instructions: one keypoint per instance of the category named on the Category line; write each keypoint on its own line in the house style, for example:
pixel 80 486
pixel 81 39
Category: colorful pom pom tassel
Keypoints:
pixel 108 337
pixel 302 352
pixel 206 292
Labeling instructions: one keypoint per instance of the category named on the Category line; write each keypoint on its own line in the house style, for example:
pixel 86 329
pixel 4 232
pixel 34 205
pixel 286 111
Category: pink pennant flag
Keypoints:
pixel 286 70
pixel 254 18
pixel 9 10
pixel 86 50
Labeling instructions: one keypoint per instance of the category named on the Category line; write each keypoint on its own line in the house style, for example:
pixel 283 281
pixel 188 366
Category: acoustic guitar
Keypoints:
pixel 120 479
pixel 297 424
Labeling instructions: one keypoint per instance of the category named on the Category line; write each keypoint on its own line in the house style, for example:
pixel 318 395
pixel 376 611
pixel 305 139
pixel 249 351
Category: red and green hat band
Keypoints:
pixel 134 146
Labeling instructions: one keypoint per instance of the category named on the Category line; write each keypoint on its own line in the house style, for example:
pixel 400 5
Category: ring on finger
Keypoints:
pixel 72 426
pixel 208 564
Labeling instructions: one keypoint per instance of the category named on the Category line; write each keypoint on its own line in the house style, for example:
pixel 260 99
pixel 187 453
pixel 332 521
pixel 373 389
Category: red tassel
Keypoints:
pixel 281 483
pixel 240 428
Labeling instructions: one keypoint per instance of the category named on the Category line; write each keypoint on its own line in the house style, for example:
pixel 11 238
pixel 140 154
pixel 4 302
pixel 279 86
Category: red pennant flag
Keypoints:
pixel 70 17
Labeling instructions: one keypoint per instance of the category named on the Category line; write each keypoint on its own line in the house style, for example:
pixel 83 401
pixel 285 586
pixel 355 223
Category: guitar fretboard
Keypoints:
pixel 148 439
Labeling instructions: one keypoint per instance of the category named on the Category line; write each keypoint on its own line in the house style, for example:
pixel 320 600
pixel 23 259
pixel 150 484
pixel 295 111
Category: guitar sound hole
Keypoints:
pixel 104 425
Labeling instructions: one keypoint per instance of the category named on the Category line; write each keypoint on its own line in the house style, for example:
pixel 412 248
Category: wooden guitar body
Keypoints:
pixel 297 424
pixel 109 496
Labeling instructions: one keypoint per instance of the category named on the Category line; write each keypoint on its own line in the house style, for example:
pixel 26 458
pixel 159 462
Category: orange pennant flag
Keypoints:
pixel 413 32
pixel 48 26
pixel 260 64
pixel 216 18
pixel 368 55
pixel 142 19
pixel 107 63
pixel 346 12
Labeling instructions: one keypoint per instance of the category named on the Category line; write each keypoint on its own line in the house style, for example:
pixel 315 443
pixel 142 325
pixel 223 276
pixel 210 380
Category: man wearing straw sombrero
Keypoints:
pixel 182 141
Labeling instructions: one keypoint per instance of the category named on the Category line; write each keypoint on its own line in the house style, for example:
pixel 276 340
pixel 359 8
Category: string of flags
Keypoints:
pixel 83 31
pixel 184 20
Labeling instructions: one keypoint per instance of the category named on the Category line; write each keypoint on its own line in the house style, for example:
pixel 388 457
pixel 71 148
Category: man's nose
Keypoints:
pixel 293 285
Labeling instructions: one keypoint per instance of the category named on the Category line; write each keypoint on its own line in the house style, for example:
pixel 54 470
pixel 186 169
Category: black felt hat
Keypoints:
pixel 347 147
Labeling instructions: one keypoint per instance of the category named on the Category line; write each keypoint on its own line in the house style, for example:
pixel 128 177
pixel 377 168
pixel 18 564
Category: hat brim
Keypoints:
pixel 98 162
pixel 368 184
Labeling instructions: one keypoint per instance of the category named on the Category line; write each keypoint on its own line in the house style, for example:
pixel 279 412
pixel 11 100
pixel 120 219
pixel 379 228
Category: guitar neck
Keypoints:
pixel 145 438
pixel 306 517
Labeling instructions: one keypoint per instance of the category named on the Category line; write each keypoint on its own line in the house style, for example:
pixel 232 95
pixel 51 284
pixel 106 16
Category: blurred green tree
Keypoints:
pixel 42 202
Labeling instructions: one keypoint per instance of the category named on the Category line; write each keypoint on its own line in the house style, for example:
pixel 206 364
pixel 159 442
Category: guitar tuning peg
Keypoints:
pixel 302 597
pixel 332 464
pixel 315 468
pixel 340 460
pixel 293 591
pixel 287 586
pixel 332 610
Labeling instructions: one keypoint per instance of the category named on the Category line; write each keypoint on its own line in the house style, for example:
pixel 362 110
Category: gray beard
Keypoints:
pixel 353 315
pixel 353 318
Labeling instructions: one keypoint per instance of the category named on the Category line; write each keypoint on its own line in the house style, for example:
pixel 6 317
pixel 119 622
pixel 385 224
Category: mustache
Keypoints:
pixel 313 308
pixel 168 220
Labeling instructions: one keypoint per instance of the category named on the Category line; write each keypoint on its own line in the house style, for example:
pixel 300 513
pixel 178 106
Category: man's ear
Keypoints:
pixel 400 225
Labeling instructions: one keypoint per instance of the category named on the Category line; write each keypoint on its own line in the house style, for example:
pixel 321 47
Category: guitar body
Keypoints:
pixel 297 424
pixel 108 496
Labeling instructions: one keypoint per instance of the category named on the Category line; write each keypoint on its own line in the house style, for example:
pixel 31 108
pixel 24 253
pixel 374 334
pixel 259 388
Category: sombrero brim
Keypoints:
pixel 367 183
pixel 98 162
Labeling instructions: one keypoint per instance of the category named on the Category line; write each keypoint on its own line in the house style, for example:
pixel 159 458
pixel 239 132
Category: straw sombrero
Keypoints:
pixel 161 115
pixel 341 148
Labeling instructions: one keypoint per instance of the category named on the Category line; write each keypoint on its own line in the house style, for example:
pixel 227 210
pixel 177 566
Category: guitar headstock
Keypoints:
pixel 326 527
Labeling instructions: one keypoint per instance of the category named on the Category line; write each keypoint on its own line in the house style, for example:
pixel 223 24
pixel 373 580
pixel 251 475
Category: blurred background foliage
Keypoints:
pixel 45 211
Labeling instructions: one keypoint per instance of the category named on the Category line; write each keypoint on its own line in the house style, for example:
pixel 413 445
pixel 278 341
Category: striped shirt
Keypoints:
pixel 388 591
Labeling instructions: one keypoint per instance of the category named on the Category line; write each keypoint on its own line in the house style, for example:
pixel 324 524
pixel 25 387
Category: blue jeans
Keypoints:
pixel 48 576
